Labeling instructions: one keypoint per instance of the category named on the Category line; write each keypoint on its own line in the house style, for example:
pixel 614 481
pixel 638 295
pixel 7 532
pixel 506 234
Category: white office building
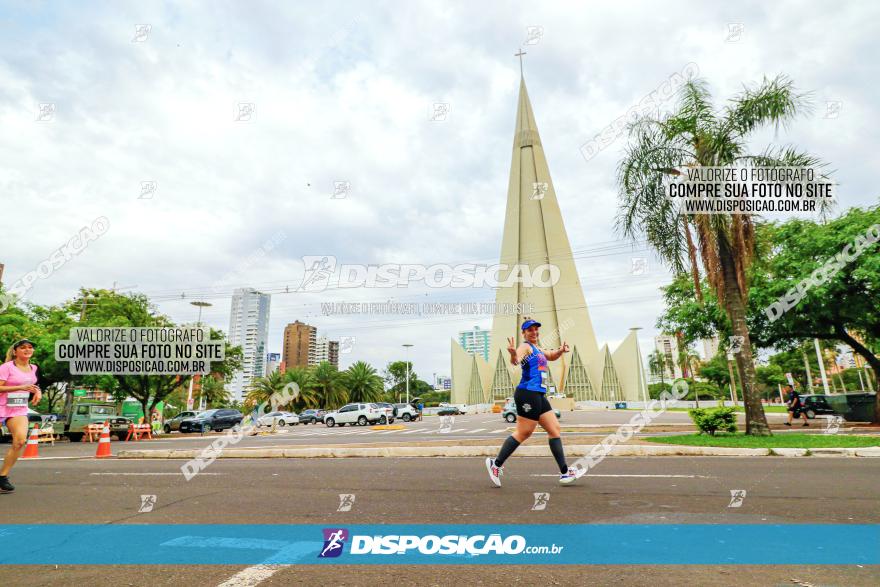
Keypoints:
pixel 320 351
pixel 668 347
pixel 710 348
pixel 249 329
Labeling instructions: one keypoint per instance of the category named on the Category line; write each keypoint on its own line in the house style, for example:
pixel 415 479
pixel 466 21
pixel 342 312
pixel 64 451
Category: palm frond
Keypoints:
pixel 645 209
pixel 774 101
pixel 789 156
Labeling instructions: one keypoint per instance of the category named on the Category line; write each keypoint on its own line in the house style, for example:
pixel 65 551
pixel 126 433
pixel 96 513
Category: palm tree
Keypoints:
pixel 214 391
pixel 328 384
pixel 363 383
pixel 692 360
pixel 698 135
pixel 262 388
pixel 657 365
pixel 308 395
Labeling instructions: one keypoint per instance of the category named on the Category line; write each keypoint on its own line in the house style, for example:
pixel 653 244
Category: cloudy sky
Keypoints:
pixel 345 92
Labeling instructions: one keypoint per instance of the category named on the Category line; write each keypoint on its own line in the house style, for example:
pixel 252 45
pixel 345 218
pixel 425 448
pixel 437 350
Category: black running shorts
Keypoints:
pixel 531 404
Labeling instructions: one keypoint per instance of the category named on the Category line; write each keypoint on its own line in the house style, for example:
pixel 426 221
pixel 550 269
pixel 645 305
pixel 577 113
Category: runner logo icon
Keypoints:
pixel 334 541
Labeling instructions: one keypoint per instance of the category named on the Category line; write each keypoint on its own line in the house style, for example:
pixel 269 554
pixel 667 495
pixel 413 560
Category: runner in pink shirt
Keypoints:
pixel 18 380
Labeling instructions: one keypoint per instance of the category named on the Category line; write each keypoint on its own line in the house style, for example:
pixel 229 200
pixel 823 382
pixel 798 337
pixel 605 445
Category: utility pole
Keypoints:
pixel 407 347
pixel 733 394
pixel 189 396
pixel 807 367
pixel 821 366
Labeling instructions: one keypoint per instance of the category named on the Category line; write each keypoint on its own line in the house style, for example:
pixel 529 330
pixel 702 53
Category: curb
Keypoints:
pixel 624 450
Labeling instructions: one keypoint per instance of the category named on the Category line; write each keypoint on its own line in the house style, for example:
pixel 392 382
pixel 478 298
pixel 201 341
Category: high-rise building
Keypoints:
pixel 320 351
pixel 710 348
pixel 324 350
pixel 333 353
pixel 668 347
pixel 299 344
pixel 475 342
pixel 249 329
pixel 535 239
pixel 273 362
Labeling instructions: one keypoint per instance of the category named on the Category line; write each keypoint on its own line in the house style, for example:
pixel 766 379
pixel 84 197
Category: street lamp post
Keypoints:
pixel 189 397
pixel 201 305
pixel 407 347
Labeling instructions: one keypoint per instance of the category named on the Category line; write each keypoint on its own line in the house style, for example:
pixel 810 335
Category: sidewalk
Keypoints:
pixel 484 450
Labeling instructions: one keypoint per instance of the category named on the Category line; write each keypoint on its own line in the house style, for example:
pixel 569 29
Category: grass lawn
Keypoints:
pixel 785 440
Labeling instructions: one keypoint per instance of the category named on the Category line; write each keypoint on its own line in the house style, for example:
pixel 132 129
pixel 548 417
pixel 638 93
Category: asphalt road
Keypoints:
pixel 649 490
pixel 587 427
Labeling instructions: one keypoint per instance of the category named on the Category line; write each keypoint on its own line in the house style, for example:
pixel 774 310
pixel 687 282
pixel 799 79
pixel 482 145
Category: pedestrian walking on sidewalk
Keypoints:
pixel 795 406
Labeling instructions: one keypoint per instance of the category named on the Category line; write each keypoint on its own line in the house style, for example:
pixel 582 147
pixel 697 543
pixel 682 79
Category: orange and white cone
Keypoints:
pixel 104 443
pixel 32 451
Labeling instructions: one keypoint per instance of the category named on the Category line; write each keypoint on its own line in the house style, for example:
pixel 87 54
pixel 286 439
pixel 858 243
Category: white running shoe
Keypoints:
pixel 494 472
pixel 569 477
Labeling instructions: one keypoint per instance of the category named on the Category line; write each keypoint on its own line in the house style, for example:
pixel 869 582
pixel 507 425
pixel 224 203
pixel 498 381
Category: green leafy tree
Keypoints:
pixel 698 135
pixel 395 378
pixel 770 377
pixel 716 371
pixel 104 308
pixel 844 308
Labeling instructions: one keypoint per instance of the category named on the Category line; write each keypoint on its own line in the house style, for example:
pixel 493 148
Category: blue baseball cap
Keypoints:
pixel 528 323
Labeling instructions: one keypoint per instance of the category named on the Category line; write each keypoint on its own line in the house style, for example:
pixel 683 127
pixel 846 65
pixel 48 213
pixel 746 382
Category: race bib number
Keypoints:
pixel 17 398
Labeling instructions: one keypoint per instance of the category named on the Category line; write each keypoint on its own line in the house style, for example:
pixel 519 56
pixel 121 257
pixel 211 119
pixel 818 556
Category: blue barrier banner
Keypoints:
pixel 506 544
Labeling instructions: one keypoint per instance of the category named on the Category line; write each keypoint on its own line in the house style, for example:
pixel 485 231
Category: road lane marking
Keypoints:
pixel 650 476
pixel 251 576
pixel 146 474
pixel 475 431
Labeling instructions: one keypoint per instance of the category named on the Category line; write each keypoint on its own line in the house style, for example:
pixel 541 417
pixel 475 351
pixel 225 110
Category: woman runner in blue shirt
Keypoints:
pixel 532 405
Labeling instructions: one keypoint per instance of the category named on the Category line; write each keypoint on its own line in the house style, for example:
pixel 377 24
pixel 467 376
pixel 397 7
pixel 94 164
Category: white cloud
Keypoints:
pixel 344 93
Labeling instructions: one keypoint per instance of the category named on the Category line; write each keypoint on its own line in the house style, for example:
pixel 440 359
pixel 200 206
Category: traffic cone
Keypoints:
pixel 32 451
pixel 104 443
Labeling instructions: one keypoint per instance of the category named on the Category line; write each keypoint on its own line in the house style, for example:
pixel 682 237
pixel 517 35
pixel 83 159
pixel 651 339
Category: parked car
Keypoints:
pixel 509 412
pixel 212 420
pixel 390 413
pixel 449 411
pixel 311 416
pixel 174 423
pixel 282 419
pixel 815 405
pixel 462 408
pixel 352 414
pixel 406 412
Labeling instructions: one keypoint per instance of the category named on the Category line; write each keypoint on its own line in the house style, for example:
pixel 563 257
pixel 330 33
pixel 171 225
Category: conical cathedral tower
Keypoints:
pixel 535 238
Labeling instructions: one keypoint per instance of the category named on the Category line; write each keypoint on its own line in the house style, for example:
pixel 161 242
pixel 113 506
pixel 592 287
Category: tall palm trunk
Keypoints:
pixel 756 421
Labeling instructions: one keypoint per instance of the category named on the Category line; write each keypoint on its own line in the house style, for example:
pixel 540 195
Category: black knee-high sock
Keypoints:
pixel 558 454
pixel 506 450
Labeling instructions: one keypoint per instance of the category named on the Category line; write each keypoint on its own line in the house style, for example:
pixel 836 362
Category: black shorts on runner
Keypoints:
pixel 531 404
